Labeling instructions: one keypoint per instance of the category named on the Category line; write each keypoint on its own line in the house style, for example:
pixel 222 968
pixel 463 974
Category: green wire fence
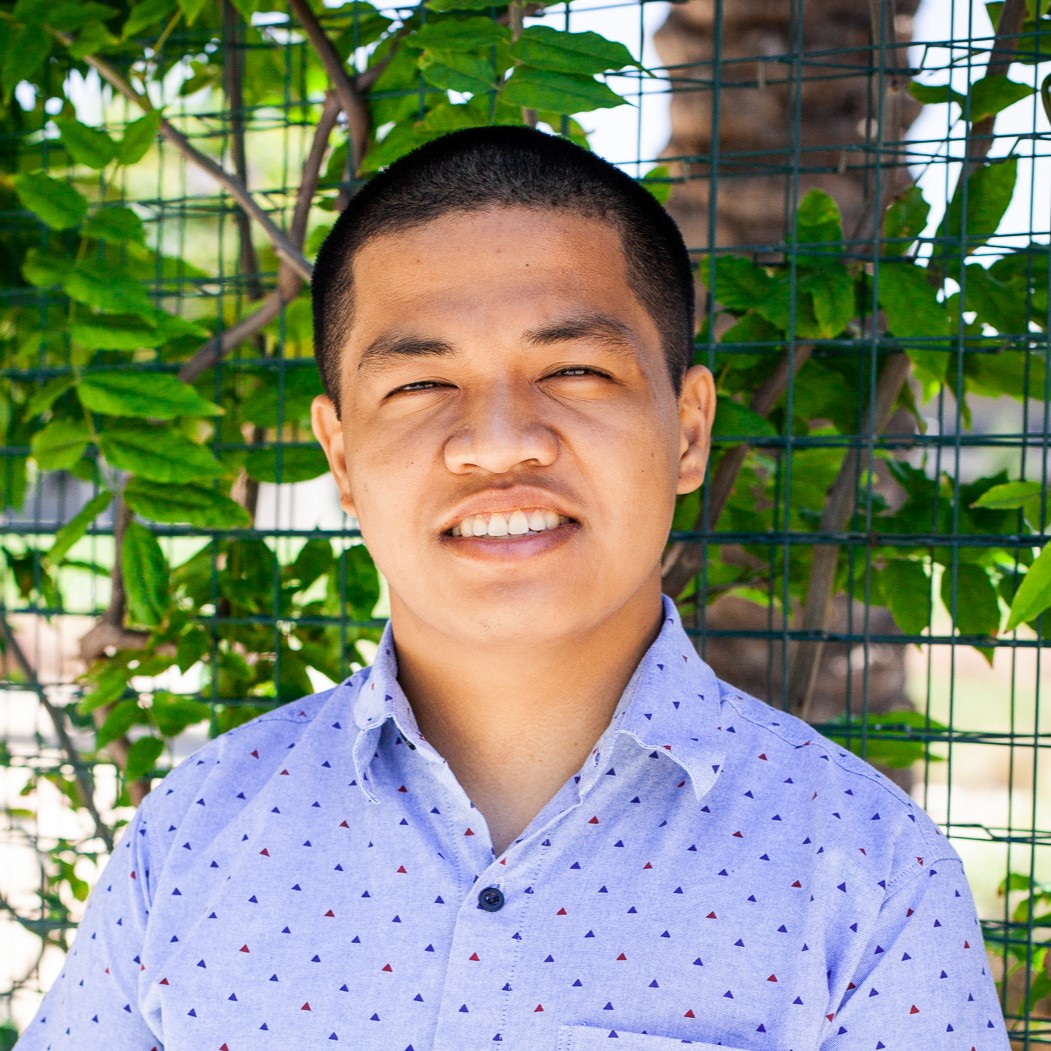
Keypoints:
pixel 866 190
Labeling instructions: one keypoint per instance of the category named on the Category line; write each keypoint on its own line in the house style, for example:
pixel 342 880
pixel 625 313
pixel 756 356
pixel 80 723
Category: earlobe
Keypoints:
pixel 696 414
pixel 328 429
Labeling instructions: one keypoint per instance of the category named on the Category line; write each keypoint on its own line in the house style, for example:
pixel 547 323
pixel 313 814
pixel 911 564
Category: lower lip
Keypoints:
pixel 511 548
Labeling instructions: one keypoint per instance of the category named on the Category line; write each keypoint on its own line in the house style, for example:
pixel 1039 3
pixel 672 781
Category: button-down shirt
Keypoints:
pixel 717 874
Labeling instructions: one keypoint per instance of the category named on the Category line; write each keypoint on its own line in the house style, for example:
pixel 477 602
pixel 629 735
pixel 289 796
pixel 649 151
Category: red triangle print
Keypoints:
pixel 561 912
pixel 474 956
pixel 330 913
pixel 469 832
pixel 772 978
pixel 622 957
pixel 402 868
pixel 914 1010
pixel 538 1008
pixel 306 1006
pixel 387 967
pixel 265 852
pixel 244 948
pixel 593 821
pixel 689 1014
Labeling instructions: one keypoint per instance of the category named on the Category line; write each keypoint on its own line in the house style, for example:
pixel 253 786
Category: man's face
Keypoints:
pixel 511 442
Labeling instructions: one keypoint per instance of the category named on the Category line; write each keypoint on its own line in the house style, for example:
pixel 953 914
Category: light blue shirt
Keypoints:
pixel 716 874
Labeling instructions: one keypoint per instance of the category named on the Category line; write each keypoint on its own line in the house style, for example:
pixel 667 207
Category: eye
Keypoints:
pixel 578 371
pixel 416 387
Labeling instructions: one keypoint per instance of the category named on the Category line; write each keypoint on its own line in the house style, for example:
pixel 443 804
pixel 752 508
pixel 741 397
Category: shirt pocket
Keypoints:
pixel 588 1038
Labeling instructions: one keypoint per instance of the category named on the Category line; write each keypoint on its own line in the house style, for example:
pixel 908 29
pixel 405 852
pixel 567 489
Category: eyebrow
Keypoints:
pixel 612 334
pixel 386 349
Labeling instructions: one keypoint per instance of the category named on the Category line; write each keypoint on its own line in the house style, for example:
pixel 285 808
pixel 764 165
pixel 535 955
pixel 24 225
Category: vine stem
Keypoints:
pixel 288 283
pixel 288 252
pixel 684 559
pixel 350 100
pixel 85 788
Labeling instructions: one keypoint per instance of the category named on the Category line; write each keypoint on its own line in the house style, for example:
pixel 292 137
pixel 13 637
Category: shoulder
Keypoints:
pixel 844 792
pixel 225 773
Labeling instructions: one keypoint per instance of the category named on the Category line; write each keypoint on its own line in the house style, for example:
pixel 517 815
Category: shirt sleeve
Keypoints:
pixel 94 1003
pixel 923 980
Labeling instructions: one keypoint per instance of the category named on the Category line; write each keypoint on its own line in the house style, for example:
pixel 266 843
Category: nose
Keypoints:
pixel 501 429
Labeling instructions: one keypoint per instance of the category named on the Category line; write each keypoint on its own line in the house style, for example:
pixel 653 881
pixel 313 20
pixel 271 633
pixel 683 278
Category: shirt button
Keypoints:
pixel 491 899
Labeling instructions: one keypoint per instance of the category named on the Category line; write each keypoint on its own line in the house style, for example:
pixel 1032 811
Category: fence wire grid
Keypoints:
pixel 868 203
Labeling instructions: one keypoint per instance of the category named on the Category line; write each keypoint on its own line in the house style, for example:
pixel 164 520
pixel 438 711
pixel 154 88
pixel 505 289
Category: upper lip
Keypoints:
pixel 505 501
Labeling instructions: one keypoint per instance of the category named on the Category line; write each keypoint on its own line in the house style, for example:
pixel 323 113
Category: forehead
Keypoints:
pixel 504 261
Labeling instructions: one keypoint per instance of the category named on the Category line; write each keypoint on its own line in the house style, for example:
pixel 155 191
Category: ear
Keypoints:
pixel 328 429
pixel 696 413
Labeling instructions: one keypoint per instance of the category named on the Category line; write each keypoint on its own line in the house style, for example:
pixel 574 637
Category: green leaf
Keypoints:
pixel 913 313
pixel 196 505
pixel 90 146
pixel 191 9
pixel 282 399
pixel 60 444
pixel 148 395
pixel 977 607
pixel 158 453
pixel 1034 593
pixel 1008 497
pixel 142 757
pixel 121 718
pixel 67 15
pixel 139 136
pixel 145 571
pixel 56 203
pixel 994 93
pixel 544 47
pixel 988 192
pixel 115 332
pixel 456 71
pixel 27 50
pixel 905 220
pixel 106 287
pixel 78 525
pixel 819 223
pixel 735 283
pixel 173 714
pixel 294 464
pixel 45 267
pixel 147 13
pixel 92 39
pixel 658 181
pixel 931 93
pixel 831 290
pixel 459 5
pixel 314 560
pixel 458 34
pixel 115 224
pixel 356 571
pixel 737 423
pixel 46 396
pixel 906 591
pixel 559 92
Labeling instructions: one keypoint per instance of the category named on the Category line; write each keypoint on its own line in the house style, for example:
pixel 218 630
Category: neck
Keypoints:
pixel 516 721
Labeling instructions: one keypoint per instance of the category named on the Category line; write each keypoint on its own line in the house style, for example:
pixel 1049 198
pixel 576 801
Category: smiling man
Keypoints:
pixel 539 821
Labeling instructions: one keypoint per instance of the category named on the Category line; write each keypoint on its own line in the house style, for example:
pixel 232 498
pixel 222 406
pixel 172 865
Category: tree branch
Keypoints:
pixel 288 283
pixel 234 186
pixel 838 509
pixel 684 559
pixel 85 788
pixel 350 100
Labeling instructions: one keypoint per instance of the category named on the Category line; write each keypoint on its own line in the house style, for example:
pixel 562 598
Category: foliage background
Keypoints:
pixel 167 169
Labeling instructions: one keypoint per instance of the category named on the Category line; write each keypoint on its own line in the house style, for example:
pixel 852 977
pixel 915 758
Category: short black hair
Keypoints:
pixel 507 166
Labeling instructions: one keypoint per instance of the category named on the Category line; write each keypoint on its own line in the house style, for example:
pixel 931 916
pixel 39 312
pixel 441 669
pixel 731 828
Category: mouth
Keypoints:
pixel 507 525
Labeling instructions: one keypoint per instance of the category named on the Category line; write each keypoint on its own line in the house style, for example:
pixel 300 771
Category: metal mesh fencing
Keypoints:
pixel 865 190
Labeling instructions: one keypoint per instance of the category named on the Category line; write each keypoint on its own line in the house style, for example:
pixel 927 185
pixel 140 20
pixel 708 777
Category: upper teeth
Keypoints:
pixel 515 523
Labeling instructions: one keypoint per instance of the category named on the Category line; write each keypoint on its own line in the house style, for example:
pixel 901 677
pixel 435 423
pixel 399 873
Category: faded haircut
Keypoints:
pixel 503 166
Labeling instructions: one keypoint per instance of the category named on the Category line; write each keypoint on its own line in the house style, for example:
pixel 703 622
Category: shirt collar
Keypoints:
pixel 671 705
